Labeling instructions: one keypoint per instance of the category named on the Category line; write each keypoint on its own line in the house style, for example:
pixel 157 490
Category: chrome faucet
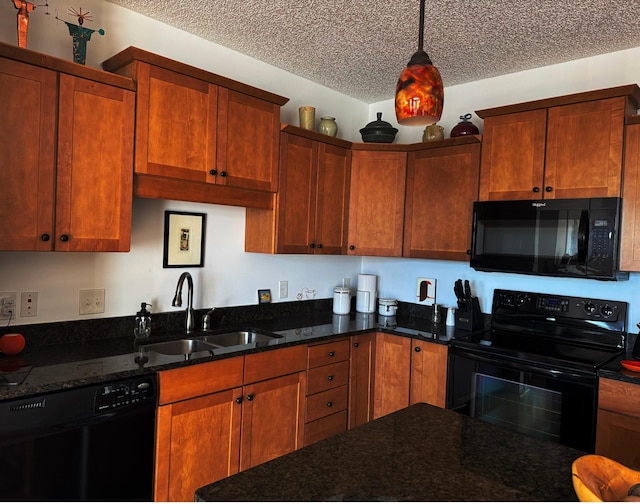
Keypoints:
pixel 177 301
pixel 206 320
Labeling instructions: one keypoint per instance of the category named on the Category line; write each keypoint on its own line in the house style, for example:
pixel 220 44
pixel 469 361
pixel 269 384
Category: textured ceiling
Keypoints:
pixel 359 47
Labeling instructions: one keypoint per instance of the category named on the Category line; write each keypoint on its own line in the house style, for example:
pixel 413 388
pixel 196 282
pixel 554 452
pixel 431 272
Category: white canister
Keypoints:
pixel 341 300
pixel 387 307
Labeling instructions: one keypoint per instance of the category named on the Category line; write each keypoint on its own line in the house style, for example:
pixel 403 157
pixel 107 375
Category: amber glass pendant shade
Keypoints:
pixel 419 92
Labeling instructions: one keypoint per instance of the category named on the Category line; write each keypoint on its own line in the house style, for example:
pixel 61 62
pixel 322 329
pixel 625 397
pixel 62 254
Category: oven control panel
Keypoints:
pixel 506 302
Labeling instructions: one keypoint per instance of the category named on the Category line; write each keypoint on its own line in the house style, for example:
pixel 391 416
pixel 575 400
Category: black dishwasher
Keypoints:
pixel 93 443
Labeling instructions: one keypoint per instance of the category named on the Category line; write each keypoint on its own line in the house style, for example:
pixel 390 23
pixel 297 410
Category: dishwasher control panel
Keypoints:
pixel 116 395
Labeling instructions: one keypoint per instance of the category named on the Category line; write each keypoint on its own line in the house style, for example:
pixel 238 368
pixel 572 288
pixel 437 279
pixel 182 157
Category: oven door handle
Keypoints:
pixel 505 362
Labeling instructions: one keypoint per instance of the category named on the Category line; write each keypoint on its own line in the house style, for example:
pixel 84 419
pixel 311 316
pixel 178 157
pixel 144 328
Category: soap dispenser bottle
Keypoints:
pixel 142 328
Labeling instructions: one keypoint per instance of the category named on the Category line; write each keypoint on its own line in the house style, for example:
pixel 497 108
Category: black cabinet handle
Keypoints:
pixel 239 400
pixel 223 173
pixel 319 245
pixel 64 238
pixel 330 377
pixel 329 404
pixel 45 237
pixel 536 189
pixel 313 245
pixel 352 247
pixel 331 354
pixel 469 252
pixel 548 188
pixel 250 397
pixel 417 349
pixel 356 345
pixel 213 172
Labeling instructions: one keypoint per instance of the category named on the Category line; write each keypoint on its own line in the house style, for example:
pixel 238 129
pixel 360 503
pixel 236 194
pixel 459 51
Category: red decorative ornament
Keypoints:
pixel 419 92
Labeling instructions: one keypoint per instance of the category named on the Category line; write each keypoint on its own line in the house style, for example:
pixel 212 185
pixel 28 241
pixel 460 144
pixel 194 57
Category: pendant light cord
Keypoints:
pixel 421 33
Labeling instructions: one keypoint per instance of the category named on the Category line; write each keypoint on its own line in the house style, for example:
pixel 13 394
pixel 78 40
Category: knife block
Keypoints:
pixel 470 320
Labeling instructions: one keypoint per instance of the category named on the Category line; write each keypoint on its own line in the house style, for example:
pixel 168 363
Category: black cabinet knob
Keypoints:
pixel 313 245
pixel 223 173
pixel 250 397
pixel 417 349
pixel 239 400
pixel 356 345
pixel 329 404
pixel 45 237
pixel 319 245
pixel 213 172
pixel 352 247
pixel 469 252
pixel 331 354
pixel 536 189
pixel 548 188
pixel 330 378
pixel 64 238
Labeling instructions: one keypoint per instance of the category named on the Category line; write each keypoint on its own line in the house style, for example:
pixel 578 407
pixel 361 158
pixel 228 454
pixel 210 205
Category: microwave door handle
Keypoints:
pixel 583 237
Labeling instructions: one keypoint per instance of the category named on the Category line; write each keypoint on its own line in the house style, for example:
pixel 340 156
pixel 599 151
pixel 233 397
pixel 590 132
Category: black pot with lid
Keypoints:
pixel 378 131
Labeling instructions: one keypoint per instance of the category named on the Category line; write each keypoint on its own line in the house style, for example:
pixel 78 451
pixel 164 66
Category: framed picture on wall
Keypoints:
pixel 183 239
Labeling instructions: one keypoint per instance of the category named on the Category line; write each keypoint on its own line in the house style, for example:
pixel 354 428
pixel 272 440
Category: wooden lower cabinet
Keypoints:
pixel 361 377
pixel 618 431
pixel 428 373
pixel 392 376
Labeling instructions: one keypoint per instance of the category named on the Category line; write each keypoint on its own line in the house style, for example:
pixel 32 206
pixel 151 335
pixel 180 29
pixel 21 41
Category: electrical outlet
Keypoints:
pixel 91 301
pixel 284 289
pixel 425 291
pixel 29 304
pixel 8 305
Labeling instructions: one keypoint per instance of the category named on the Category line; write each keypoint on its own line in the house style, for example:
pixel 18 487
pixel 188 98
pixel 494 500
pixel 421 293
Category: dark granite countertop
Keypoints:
pixel 59 356
pixel 421 453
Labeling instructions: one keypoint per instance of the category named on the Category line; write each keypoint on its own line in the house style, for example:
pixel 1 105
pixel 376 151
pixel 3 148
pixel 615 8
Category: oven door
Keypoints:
pixel 551 404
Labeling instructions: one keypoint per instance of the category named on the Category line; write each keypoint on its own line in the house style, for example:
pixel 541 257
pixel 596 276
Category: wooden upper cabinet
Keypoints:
pixel 311 211
pixel 376 206
pixel 565 147
pixel 200 136
pixel 438 180
pixel 66 151
pixel 630 227
pixel 95 158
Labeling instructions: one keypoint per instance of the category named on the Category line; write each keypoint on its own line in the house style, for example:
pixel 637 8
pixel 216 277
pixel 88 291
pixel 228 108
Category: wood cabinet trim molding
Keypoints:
pixel 123 58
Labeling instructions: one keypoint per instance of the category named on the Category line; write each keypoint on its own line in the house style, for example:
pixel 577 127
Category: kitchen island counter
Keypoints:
pixel 421 453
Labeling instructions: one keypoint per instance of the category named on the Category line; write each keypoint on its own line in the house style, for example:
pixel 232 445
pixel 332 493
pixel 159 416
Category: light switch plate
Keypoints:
pixel 425 291
pixel 91 301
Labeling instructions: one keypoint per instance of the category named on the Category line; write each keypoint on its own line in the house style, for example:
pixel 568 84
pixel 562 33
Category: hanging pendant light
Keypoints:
pixel 419 92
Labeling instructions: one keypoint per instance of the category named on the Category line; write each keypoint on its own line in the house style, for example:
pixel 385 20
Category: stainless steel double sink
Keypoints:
pixel 209 342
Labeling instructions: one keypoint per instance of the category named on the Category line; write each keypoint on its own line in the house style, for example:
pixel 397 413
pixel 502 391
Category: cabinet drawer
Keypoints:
pixel 273 363
pixel 328 353
pixel 326 403
pixel 325 427
pixel 200 379
pixel 619 396
pixel 327 377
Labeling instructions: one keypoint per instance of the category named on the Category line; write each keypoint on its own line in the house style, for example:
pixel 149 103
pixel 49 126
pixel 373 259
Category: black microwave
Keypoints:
pixel 576 238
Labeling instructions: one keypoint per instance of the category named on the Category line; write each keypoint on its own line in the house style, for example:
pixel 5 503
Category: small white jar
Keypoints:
pixel 387 307
pixel 341 300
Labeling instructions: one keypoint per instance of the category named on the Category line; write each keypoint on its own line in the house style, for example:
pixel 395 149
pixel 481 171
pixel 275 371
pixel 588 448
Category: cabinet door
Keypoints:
pixel 630 228
pixel 392 374
pixel 332 199
pixel 297 195
pixel 176 121
pixel 513 156
pixel 94 188
pixel 376 205
pixel 272 419
pixel 197 442
pixel 618 437
pixel 361 379
pixel 27 156
pixel 584 149
pixel 248 140
pixel 442 185
pixel 428 373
